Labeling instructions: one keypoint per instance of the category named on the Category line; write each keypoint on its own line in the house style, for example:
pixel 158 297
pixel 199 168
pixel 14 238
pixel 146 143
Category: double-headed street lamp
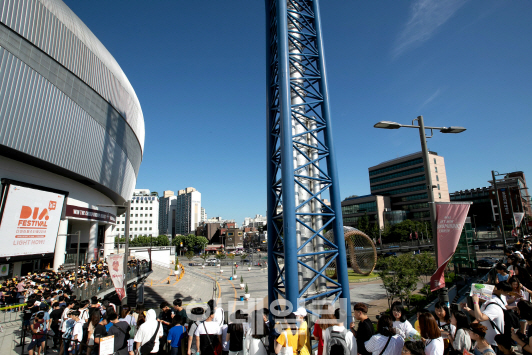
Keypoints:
pixel 421 126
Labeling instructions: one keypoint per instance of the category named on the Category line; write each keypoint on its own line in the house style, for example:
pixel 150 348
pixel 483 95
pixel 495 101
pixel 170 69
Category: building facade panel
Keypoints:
pixel 51 26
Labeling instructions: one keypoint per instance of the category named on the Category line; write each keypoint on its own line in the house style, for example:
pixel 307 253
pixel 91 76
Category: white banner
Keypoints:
pixel 115 263
pixel 30 221
pixel 518 218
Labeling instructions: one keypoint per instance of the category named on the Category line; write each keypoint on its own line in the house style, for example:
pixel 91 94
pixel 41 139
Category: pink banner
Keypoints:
pixel 451 218
pixel 115 263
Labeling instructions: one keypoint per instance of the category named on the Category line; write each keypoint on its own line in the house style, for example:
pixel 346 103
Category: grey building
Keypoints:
pixel 70 120
pixel 403 180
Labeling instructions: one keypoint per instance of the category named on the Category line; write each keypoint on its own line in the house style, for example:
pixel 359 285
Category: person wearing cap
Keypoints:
pixel 302 331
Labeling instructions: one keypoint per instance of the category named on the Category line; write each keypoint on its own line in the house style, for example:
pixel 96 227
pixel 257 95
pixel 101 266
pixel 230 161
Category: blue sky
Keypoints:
pixel 198 68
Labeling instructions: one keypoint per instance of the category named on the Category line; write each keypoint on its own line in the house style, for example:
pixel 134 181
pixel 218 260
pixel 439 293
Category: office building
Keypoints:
pixel 187 211
pixel 513 196
pixel 403 181
pixel 71 137
pixel 164 212
pixel 144 216
pixel 355 207
pixel 203 215
pixel 481 210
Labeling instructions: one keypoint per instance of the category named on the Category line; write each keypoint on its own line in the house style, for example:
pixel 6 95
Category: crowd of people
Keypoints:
pixel 17 290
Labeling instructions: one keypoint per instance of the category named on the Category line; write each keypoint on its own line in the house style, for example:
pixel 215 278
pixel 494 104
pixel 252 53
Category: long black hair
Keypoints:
pixel 385 326
pixel 462 322
pixel 447 318
pixel 398 307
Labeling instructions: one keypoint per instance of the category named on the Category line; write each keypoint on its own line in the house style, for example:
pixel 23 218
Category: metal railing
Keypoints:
pixel 105 284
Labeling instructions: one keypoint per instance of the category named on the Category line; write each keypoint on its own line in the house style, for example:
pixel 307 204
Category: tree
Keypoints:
pixel 243 257
pixel 201 242
pixel 426 266
pixel 363 223
pixel 204 256
pixel 399 276
pixel 161 241
pixel 189 254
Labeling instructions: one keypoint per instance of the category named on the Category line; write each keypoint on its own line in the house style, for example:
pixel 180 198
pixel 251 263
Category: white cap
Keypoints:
pixel 301 311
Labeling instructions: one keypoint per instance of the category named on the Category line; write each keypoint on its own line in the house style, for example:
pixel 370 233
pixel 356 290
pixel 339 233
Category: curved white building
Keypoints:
pixel 69 121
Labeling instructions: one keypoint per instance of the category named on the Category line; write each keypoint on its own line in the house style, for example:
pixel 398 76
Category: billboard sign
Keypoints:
pixel 29 221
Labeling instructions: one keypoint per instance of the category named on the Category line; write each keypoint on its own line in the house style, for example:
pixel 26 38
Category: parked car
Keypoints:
pixel 194 264
pixel 487 262
pixel 212 260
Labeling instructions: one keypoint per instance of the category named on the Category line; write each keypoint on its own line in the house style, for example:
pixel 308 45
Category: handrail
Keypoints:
pixel 103 284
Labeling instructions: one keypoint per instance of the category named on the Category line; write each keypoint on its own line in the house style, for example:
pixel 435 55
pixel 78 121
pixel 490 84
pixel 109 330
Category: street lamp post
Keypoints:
pixel 425 152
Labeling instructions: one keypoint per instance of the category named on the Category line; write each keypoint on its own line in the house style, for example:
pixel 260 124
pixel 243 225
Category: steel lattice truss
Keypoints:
pixel 301 167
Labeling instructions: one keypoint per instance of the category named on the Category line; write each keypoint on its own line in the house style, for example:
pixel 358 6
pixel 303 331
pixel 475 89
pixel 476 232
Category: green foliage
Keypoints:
pixel 363 224
pixel 189 254
pixel 400 232
pixel 426 264
pixel 231 256
pixel 176 262
pixel 220 256
pixel 190 242
pixel 399 276
pixel 161 241
pixel 204 256
pixel 243 256
pixel 246 290
pixel 241 279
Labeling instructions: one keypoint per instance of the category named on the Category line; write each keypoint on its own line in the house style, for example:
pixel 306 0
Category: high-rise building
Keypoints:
pixel 188 211
pixel 164 211
pixel 144 216
pixel 203 215
pixel 355 207
pixel 403 180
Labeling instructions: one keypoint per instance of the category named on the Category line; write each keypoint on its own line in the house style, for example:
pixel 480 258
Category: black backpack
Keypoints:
pixel 337 344
pixel 511 320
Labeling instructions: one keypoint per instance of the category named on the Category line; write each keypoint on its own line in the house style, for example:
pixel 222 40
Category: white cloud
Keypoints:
pixel 429 100
pixel 426 16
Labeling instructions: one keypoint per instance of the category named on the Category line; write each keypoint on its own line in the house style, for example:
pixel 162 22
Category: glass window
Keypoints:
pixel 434 160
pixel 395 167
pixel 396 175
pixel 404 190
pixel 438 186
pixel 439 194
pixel 397 183
pixel 436 169
pixel 359 208
pixel 141 208
pixel 437 178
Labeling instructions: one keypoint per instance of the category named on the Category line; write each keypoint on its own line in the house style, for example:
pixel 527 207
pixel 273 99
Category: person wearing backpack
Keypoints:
pixel 492 313
pixel 120 331
pixel 365 327
pixel 337 340
pixel 149 334
pixel 386 341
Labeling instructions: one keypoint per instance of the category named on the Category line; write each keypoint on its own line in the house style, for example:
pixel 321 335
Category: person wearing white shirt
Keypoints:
pixel 208 335
pixel 401 325
pixel 491 311
pixel 350 340
pixel 430 334
pixel 386 341
pixel 77 331
pixel 147 330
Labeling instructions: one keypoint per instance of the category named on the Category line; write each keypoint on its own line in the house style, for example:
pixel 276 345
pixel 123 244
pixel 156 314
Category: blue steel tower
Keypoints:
pixel 301 166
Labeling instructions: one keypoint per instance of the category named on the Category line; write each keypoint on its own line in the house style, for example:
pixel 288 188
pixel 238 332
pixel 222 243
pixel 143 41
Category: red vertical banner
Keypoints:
pixel 115 263
pixel 450 219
